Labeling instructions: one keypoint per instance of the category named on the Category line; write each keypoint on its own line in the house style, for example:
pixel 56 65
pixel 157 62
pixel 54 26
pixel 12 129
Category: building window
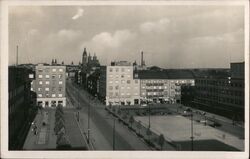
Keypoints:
pixel 40 82
pixel 110 76
pixel 53 89
pixel 128 70
pixel 122 87
pixel 60 89
pixel 31 89
pixel 136 81
pixel 123 81
pixel 128 81
pixel 60 76
pixel 47 95
pixel 128 87
pixel 136 94
pixel 129 76
pixel 116 81
pixel 53 70
pixel 116 94
pixel 110 94
pixel 110 70
pixel 117 69
pixel 110 87
pixel 60 70
pixel 40 76
pixel 116 87
pixel 122 69
pixel 47 82
pixel 39 89
pixel 128 94
pixel 40 70
pixel 53 95
pixel 46 76
pixel 53 76
pixel 59 95
pixel 60 82
pixel 110 81
pixel 46 89
pixel 122 76
pixel 39 95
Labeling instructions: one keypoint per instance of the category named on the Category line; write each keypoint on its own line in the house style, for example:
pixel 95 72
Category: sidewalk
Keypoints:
pixel 45 138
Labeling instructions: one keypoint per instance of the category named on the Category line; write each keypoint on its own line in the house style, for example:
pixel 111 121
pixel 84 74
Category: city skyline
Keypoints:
pixel 170 36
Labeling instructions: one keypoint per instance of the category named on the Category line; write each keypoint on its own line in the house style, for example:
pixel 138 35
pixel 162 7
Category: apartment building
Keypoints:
pixel 21 107
pixel 121 87
pixel 163 86
pixel 222 92
pixel 50 85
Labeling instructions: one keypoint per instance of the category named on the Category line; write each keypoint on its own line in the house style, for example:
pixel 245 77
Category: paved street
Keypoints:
pixel 101 125
pixel 72 130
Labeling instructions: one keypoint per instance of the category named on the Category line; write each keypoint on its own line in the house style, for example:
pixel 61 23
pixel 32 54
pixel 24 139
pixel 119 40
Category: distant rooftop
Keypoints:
pixel 120 63
pixel 182 73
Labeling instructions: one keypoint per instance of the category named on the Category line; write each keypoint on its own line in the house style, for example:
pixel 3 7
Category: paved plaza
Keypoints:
pixel 178 129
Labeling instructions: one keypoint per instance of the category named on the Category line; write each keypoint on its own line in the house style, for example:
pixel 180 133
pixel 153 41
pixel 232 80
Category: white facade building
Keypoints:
pixel 121 87
pixel 50 85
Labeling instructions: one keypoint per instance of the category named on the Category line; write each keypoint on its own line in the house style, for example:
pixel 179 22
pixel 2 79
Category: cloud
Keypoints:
pixel 108 40
pixel 69 34
pixel 78 14
pixel 156 26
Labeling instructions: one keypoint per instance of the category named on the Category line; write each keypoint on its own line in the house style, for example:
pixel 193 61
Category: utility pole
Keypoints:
pixel 114 134
pixel 149 113
pixel 192 137
pixel 88 120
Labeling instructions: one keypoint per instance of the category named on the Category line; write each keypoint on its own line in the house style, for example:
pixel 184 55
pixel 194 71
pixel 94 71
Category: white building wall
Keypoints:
pixel 121 88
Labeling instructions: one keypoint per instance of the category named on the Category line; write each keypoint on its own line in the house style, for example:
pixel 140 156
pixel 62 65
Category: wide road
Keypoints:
pixel 101 124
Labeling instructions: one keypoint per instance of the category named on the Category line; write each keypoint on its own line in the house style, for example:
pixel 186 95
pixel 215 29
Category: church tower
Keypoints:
pixel 84 58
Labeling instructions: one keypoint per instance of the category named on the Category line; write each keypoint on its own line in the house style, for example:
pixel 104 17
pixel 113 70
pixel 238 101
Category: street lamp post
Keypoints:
pixel 114 134
pixel 192 137
pixel 149 115
pixel 88 120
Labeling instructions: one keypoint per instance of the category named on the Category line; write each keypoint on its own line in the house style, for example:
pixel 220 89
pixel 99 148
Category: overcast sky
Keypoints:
pixel 170 36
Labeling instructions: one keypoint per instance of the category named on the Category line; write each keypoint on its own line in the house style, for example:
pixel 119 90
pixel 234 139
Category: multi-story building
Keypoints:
pixel 21 107
pixel 163 86
pixel 222 93
pixel 102 84
pixel 121 87
pixel 50 85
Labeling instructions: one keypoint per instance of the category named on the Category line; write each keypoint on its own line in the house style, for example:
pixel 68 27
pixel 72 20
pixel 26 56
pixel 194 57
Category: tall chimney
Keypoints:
pixel 142 58
pixel 17 55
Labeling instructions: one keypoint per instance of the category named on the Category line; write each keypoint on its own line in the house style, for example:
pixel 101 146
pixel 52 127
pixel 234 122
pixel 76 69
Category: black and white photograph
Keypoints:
pixel 131 79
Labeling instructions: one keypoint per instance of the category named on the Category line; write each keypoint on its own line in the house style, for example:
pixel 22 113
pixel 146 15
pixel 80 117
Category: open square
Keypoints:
pixel 177 129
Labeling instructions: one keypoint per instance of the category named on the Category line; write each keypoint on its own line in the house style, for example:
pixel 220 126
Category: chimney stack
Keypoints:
pixel 17 55
pixel 142 58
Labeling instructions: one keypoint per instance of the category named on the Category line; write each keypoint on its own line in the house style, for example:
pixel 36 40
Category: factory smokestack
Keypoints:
pixel 142 59
pixel 17 55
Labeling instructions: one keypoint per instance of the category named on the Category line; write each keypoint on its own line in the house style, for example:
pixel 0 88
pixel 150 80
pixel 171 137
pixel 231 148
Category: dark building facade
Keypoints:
pixel 222 93
pixel 102 83
pixel 21 105
pixel 187 94
pixel 93 82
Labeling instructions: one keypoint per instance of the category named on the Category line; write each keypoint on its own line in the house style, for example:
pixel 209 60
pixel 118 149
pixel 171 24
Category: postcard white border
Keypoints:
pixel 110 154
